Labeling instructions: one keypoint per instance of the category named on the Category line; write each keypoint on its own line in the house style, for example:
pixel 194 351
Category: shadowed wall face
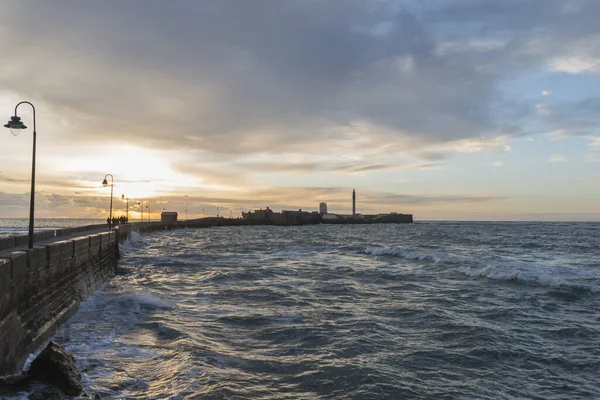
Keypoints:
pixel 41 288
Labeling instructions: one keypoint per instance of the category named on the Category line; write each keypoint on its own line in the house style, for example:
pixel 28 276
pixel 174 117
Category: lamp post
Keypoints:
pixel 15 125
pixel 105 184
pixel 127 209
pixel 141 211
pixel 148 212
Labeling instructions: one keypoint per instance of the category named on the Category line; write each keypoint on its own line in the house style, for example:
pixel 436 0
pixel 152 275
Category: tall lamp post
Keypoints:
pixel 105 184
pixel 127 209
pixel 141 211
pixel 148 212
pixel 15 125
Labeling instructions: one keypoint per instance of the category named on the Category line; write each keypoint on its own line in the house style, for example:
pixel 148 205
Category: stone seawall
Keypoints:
pixel 41 288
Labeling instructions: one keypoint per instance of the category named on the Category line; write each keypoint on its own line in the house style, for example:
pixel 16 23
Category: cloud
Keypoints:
pixel 576 119
pixel 497 164
pixel 546 93
pixel 592 158
pixel 235 77
pixel 557 158
pixel 576 65
pixel 14 180
pixel 543 109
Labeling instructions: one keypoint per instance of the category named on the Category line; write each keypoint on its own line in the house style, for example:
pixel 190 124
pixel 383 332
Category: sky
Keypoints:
pixel 446 109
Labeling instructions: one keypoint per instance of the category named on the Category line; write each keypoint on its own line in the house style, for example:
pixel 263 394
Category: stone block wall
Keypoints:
pixel 41 288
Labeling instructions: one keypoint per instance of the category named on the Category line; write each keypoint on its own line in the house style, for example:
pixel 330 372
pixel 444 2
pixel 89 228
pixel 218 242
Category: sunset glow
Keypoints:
pixel 440 110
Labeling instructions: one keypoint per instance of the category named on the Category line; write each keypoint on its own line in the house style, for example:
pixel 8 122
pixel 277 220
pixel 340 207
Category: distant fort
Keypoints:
pixel 269 217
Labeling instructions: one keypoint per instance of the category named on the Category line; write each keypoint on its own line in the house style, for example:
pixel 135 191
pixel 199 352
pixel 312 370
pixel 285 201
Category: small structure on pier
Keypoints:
pixel 168 217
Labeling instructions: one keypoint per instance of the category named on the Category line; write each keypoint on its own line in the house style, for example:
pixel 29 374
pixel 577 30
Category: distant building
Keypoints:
pixel 323 208
pixel 168 217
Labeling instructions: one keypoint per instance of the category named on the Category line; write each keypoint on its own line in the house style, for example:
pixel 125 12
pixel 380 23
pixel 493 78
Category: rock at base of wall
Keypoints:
pixel 48 393
pixel 11 386
pixel 56 367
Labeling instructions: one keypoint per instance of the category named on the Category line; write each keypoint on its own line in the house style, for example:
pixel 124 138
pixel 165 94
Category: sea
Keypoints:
pixel 430 310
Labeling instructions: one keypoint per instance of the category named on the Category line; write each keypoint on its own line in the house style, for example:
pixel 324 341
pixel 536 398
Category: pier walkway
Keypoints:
pixel 20 243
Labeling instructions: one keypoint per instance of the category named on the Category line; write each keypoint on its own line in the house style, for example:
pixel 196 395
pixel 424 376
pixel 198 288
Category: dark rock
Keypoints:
pixel 17 381
pixel 56 367
pixel 10 386
pixel 48 393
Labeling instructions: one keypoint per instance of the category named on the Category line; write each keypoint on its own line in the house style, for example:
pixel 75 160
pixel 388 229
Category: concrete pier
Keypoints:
pixel 42 287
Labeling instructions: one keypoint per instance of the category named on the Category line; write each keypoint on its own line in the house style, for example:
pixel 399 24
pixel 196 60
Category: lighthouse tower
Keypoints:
pixel 353 202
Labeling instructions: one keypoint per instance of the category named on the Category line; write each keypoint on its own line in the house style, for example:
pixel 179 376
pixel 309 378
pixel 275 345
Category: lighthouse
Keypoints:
pixel 353 202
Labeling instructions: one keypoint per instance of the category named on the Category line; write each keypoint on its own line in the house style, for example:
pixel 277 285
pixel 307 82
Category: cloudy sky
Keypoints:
pixel 448 109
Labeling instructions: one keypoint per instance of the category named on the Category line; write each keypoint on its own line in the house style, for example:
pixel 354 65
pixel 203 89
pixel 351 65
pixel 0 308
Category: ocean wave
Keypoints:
pixel 134 241
pixel 163 331
pixel 504 269
pixel 145 299
pixel 385 251
pixel 543 276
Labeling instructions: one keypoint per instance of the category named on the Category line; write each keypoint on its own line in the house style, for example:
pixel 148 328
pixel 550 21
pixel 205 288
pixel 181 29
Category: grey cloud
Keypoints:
pixel 406 199
pixel 13 180
pixel 236 76
pixel 246 77
pixel 575 119
pixel 310 167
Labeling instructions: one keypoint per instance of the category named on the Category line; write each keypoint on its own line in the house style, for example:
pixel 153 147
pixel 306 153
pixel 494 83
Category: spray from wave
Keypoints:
pixel 134 241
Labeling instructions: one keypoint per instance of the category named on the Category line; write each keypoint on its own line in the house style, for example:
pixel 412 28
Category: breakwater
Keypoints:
pixel 41 288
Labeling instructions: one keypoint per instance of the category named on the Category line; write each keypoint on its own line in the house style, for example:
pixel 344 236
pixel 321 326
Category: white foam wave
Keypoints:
pixel 385 251
pixel 505 269
pixel 145 299
pixel 540 275
pixel 134 241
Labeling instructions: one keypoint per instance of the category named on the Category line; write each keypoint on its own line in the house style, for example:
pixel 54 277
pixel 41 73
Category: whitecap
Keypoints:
pixel 385 251
pixel 145 299
pixel 539 275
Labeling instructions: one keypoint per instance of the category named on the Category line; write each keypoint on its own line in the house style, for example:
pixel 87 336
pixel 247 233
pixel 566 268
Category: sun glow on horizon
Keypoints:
pixel 138 172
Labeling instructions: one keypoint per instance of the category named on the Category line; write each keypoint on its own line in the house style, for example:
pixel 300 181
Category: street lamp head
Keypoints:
pixel 105 182
pixel 15 125
pixel 123 196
